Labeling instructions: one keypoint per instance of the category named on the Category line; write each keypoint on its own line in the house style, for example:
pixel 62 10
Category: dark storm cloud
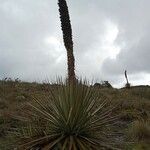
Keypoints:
pixel 135 58
pixel 133 22
pixel 27 24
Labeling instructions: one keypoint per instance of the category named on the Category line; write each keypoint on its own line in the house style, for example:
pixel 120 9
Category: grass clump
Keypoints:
pixel 69 118
pixel 140 130
pixel 139 133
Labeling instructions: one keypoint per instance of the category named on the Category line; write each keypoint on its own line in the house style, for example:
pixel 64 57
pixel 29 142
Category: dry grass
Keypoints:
pixel 133 104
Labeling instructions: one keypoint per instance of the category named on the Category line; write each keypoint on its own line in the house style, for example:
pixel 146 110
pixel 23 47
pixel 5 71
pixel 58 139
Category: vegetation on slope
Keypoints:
pixel 133 107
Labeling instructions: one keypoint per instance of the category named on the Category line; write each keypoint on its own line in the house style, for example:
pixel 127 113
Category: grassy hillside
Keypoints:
pixel 132 105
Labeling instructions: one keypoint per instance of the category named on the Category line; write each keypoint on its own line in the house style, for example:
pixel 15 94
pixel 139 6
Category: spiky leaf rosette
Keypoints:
pixel 67 36
pixel 70 117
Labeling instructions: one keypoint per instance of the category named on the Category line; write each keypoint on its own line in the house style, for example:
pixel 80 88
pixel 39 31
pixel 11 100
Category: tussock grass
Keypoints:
pixel 140 130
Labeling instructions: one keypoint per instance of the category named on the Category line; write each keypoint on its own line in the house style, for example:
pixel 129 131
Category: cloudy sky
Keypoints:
pixel 109 37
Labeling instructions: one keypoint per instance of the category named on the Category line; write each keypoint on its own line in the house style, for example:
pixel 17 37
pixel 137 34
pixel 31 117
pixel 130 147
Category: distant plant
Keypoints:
pixel 17 80
pixel 69 118
pixel 103 84
pixel 67 36
pixel 10 80
pixel 7 79
pixel 97 85
pixel 106 84
pixel 127 84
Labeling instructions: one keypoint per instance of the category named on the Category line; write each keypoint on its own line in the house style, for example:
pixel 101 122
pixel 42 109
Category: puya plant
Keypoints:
pixel 71 117
pixel 127 84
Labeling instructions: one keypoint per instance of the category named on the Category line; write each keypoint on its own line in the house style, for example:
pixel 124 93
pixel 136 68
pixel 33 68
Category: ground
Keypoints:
pixel 132 105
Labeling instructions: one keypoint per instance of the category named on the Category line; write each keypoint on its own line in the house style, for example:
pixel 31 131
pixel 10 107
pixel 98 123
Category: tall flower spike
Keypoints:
pixel 127 84
pixel 67 37
pixel 126 76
